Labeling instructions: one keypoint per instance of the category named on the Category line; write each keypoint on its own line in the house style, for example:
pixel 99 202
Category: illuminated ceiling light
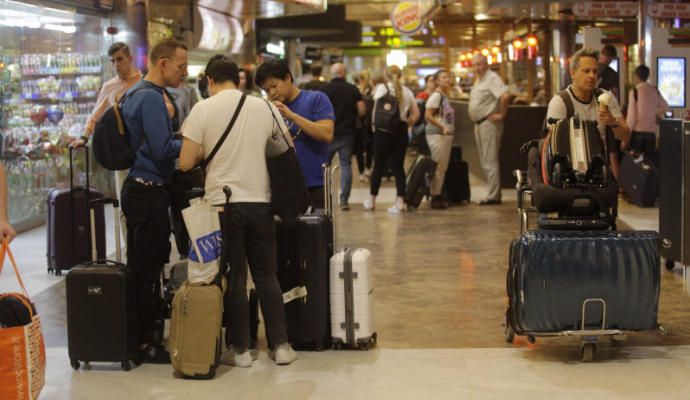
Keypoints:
pixel 60 28
pixel 532 40
pixel 518 44
pixel 485 52
pixel 463 57
pixel 495 50
pixel 481 16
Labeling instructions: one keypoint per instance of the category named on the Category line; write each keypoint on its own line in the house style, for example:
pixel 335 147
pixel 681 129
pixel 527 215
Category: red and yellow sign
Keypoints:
pixel 407 17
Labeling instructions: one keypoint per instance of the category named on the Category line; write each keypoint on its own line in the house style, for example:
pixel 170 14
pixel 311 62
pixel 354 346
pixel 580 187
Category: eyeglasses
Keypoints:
pixel 181 68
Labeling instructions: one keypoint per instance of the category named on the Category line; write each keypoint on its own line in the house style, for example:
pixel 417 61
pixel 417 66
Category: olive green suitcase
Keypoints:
pixel 195 329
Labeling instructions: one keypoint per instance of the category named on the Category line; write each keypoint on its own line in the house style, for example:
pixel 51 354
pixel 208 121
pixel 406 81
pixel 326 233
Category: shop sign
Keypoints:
pixel 669 10
pixel 605 9
pixel 407 17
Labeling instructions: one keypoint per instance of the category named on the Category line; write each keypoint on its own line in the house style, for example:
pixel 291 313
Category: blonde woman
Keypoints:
pixel 440 130
pixel 390 136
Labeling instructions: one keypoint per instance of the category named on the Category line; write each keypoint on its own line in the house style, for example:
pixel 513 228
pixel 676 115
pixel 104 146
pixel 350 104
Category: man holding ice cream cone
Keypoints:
pixel 584 99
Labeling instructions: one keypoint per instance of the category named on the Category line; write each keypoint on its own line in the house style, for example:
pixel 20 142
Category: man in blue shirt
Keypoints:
pixel 145 199
pixel 309 117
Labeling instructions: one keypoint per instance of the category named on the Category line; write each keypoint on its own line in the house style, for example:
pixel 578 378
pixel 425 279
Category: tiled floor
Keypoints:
pixel 440 297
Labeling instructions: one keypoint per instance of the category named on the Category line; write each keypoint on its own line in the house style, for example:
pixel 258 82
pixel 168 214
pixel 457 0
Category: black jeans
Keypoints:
pixel 645 142
pixel 316 197
pixel 249 237
pixel 364 150
pixel 393 146
pixel 148 245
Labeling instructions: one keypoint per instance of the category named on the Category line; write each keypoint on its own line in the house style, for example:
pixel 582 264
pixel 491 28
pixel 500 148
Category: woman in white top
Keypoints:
pixel 440 129
pixel 390 142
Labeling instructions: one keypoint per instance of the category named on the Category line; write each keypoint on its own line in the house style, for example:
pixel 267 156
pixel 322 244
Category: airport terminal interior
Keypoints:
pixel 440 289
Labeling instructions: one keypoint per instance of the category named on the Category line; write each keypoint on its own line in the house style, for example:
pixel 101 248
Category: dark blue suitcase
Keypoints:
pixel 552 273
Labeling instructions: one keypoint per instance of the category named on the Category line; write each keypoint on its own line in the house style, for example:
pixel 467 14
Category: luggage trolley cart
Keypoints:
pixel 589 336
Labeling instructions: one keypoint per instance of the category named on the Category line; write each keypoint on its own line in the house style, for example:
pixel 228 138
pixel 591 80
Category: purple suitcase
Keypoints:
pixel 69 229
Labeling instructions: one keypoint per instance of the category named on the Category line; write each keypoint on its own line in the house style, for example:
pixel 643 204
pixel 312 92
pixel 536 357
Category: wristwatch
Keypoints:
pixel 85 139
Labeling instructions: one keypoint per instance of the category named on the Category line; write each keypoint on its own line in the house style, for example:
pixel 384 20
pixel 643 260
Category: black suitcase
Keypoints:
pixel 456 185
pixel 639 179
pixel 304 250
pixel 553 273
pixel 68 227
pixel 101 309
pixel 418 180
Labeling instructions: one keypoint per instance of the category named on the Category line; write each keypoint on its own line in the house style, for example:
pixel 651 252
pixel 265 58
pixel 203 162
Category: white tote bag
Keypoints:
pixel 203 225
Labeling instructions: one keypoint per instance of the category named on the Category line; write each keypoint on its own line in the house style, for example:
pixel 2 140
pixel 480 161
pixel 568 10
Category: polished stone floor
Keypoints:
pixel 440 298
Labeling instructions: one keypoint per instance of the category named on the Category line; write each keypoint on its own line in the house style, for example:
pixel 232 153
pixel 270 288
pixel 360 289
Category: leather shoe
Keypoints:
pixel 489 202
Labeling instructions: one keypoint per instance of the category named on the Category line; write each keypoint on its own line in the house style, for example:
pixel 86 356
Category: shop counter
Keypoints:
pixel 522 123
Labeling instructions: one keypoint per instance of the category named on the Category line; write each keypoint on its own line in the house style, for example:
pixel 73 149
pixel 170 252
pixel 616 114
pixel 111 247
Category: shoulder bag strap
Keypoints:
pixel 569 106
pixel 227 131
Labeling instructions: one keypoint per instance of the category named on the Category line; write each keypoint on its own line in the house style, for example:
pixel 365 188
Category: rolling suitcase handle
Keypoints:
pixel 116 206
pixel 329 192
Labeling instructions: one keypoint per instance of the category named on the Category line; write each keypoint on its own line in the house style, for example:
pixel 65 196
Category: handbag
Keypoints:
pixel 22 351
pixel 196 177
pixel 289 194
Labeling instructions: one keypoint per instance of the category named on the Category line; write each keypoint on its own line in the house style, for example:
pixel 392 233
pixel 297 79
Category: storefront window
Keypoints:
pixel 51 69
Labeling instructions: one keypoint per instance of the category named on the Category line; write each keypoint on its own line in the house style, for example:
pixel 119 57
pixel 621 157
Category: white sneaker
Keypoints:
pixel 283 354
pixel 242 360
pixel 367 205
pixel 395 210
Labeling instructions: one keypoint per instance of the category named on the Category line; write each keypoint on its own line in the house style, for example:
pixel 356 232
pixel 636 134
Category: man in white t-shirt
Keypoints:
pixel 583 98
pixel 240 163
pixel 487 109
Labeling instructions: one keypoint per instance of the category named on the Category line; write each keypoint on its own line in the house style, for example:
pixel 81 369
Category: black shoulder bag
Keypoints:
pixel 289 194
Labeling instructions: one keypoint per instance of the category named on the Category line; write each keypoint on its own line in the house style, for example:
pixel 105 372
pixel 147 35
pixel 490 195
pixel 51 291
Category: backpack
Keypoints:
pixel 111 147
pixel 573 153
pixel 387 113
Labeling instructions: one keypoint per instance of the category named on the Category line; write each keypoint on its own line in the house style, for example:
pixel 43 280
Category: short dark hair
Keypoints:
pixel 165 49
pixel 249 85
pixel 439 72
pixel 609 50
pixel 273 69
pixel 221 69
pixel 642 72
pixel 316 69
pixel 429 77
pixel 117 46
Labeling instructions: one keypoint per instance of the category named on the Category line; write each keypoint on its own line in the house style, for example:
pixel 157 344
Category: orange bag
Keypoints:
pixel 22 352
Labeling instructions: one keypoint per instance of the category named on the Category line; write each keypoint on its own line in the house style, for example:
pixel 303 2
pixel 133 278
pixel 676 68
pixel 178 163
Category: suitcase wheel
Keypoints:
pixel 508 332
pixel 337 345
pixel 588 350
pixel 75 364
pixel 125 365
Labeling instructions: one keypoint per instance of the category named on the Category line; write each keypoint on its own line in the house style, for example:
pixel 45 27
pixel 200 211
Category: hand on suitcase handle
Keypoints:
pixel 105 200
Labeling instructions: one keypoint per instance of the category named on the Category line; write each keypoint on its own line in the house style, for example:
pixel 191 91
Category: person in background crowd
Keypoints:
pixel 364 141
pixel 6 230
pixel 429 88
pixel 310 118
pixel 184 98
pixel 611 123
pixel 115 88
pixel 145 199
pixel 316 80
pixel 392 145
pixel 440 132
pixel 249 230
pixel 202 85
pixel 487 109
pixel 645 106
pixel 247 83
pixel 608 77
pixel 349 106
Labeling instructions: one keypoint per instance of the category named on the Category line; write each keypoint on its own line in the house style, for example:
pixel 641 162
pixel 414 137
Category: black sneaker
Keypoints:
pixel 154 355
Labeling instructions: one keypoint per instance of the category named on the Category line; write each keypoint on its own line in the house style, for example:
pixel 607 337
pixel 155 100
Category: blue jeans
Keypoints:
pixel 344 145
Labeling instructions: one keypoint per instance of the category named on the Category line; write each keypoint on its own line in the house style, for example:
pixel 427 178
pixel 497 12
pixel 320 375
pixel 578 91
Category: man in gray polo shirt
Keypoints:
pixel 487 109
